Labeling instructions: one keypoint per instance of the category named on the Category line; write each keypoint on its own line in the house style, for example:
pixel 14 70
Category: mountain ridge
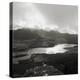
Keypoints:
pixel 30 34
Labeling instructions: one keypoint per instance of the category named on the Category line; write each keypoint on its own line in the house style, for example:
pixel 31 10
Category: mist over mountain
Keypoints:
pixel 34 34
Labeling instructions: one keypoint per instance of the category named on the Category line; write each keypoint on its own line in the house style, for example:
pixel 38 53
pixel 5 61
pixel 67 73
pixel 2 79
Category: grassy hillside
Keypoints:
pixel 27 34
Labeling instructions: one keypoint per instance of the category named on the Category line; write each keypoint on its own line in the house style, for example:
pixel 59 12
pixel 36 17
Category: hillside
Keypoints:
pixel 41 35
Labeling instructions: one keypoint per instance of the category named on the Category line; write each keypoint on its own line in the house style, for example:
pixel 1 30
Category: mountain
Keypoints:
pixel 41 35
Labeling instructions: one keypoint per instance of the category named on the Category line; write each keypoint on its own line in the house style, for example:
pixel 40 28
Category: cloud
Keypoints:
pixel 46 17
pixel 69 30
pixel 27 15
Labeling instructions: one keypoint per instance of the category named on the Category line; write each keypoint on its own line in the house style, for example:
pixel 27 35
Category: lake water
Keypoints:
pixel 59 48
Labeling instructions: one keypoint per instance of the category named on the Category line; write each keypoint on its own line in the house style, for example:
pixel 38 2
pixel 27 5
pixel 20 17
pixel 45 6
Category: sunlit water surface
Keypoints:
pixel 59 48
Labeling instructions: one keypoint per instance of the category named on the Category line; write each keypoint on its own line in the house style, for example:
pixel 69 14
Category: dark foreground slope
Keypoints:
pixel 66 63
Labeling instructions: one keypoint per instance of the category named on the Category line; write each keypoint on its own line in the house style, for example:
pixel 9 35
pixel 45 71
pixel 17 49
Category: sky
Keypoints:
pixel 62 18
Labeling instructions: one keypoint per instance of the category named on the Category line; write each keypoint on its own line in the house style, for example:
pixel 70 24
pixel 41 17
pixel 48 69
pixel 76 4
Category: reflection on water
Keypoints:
pixel 60 48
